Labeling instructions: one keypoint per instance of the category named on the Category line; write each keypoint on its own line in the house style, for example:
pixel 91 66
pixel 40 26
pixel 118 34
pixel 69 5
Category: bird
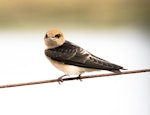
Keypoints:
pixel 73 59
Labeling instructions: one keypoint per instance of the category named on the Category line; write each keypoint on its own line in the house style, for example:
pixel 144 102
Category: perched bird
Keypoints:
pixel 72 59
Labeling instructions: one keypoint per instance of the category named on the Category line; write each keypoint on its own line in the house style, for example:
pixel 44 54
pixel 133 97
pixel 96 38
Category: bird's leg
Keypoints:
pixel 60 79
pixel 79 77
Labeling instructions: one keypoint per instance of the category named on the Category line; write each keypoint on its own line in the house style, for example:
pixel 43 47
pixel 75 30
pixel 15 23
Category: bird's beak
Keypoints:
pixel 52 38
pixel 49 38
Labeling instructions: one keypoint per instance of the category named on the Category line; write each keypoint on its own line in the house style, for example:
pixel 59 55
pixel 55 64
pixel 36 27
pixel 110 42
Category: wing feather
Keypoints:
pixel 72 54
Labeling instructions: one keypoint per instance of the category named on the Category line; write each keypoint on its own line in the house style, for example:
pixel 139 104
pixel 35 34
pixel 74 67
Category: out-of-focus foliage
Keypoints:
pixel 100 13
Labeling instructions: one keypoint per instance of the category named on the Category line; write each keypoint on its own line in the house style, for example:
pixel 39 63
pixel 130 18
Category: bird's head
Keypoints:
pixel 54 38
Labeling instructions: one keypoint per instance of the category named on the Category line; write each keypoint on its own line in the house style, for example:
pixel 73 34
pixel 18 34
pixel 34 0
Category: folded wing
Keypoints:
pixel 72 54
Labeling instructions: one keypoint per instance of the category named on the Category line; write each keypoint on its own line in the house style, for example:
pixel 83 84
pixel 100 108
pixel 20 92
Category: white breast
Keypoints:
pixel 70 69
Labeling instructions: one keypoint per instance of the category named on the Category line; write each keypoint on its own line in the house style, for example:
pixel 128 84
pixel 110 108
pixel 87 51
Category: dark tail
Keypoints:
pixel 118 70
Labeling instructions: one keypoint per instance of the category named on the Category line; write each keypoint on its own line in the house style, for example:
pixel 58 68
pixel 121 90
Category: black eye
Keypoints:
pixel 57 35
pixel 46 36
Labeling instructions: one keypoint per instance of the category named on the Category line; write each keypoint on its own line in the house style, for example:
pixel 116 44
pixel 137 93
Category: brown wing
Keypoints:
pixel 72 54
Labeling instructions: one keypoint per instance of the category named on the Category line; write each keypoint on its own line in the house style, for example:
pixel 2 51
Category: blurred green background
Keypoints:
pixel 73 13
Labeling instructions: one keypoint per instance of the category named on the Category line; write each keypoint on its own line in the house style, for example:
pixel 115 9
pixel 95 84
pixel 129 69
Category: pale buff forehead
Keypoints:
pixel 53 32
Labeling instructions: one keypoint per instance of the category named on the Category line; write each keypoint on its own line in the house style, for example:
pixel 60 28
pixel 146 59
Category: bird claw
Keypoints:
pixel 60 79
pixel 79 78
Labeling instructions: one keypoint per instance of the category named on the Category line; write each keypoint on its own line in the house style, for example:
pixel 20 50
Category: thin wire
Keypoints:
pixel 74 78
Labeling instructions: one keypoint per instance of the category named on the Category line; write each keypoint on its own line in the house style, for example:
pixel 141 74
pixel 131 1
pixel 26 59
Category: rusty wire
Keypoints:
pixel 73 78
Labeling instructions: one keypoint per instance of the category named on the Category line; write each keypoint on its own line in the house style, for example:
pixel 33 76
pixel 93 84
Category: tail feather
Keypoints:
pixel 118 70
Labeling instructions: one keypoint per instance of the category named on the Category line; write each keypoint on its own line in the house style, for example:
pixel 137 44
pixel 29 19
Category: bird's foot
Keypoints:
pixel 79 77
pixel 60 79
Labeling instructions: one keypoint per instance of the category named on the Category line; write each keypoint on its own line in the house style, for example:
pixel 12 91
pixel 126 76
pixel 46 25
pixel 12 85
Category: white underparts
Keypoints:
pixel 70 69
